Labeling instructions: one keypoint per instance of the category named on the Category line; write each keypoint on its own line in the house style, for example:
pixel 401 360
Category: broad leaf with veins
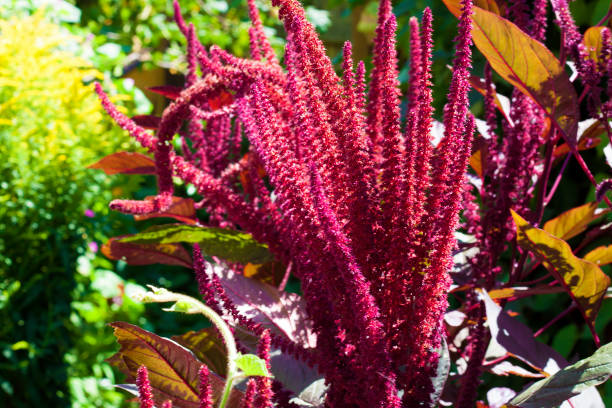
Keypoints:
pixel 173 370
pixel 584 281
pixel 527 64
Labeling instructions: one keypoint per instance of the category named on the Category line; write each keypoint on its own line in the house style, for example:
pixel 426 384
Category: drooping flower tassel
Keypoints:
pixel 145 394
pixel 264 384
pixel 205 391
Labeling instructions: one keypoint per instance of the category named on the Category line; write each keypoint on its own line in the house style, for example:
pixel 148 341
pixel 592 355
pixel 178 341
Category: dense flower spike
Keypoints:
pixel 264 384
pixel 362 209
pixel 144 388
pixel 205 393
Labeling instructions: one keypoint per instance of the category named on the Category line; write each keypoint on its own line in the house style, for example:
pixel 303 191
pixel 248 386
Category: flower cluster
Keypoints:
pixel 363 209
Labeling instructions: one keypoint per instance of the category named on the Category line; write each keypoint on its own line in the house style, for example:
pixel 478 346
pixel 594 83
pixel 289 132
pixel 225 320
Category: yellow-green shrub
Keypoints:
pixel 51 127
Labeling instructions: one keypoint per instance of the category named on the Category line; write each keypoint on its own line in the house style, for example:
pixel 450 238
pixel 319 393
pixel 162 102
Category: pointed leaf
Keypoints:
pixel 600 256
pixel 125 163
pixel 173 370
pixel 313 395
pixel 573 222
pixel 593 43
pixel 478 160
pixel 585 282
pixel 527 64
pixel 283 313
pixel 208 348
pixel 506 368
pixel 224 243
pixel 438 381
pixel 251 365
pixel 517 339
pixel 589 132
pixel 523 291
pixel 169 91
pixel 181 209
pixel 147 121
pixel 568 382
pixel 146 254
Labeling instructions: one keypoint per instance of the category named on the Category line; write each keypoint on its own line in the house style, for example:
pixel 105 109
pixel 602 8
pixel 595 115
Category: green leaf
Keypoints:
pixel 227 244
pixel 584 281
pixel 527 64
pixel 173 370
pixel 146 254
pixel 251 365
pixel 568 382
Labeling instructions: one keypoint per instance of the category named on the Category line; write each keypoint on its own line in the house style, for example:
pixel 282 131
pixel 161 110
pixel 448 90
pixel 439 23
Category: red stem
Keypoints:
pixel 557 180
pixel 556 319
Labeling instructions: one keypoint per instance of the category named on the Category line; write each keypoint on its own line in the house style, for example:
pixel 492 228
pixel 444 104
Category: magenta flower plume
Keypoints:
pixel 264 384
pixel 362 207
pixel 250 394
pixel 205 393
pixel 145 394
pixel 167 404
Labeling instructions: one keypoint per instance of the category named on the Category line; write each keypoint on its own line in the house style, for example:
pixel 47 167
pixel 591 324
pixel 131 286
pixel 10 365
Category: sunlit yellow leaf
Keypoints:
pixel 574 221
pixel 519 292
pixel 601 255
pixel 584 280
pixel 592 41
pixel 527 64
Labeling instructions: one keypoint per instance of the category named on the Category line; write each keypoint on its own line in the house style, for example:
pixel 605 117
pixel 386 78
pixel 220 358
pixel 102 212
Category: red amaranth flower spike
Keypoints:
pixel 145 394
pixel 205 391
pixel 264 384
pixel 259 42
pixel 249 396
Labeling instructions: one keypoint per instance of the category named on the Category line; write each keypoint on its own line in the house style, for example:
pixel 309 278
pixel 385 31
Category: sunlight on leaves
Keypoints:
pixel 584 281
pixel 573 222
pixel 227 244
pixel 527 64
pixel 568 382
pixel 173 370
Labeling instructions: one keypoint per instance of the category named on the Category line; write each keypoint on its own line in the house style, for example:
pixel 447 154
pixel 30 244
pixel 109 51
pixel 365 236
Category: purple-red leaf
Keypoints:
pixel 147 121
pixel 181 209
pixel 146 254
pixel 282 313
pixel 518 340
pixel 169 91
pixel 208 348
pixel 125 163
pixel 173 370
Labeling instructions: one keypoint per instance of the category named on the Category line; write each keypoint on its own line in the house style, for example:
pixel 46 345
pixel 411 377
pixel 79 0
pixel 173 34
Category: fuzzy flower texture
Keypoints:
pixel 355 198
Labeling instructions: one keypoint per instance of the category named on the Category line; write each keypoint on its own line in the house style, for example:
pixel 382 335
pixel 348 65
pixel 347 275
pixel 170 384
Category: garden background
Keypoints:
pixel 57 290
